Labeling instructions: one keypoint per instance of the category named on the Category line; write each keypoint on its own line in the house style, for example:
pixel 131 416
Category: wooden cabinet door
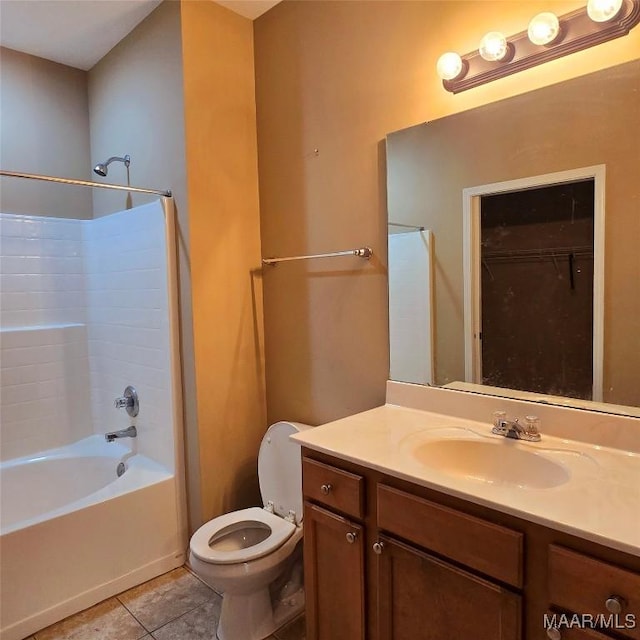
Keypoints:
pixel 423 598
pixel 333 576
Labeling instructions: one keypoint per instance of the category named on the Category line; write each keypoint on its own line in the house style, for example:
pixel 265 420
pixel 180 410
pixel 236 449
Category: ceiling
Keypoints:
pixel 79 33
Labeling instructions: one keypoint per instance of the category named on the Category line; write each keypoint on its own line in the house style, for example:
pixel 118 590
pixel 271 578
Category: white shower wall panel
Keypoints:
pixel 84 313
pixel 44 388
pixel 41 271
pixel 128 325
pixel 411 307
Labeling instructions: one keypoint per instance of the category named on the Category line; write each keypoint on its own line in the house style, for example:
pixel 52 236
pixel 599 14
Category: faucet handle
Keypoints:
pixel 128 401
pixel 123 402
pixel 500 423
pixel 532 425
pixel 499 417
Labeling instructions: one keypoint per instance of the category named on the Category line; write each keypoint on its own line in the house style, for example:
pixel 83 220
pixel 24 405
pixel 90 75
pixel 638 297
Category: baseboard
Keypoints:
pixel 42 619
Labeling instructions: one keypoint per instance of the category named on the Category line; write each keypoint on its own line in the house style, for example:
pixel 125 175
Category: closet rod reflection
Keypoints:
pixel 361 252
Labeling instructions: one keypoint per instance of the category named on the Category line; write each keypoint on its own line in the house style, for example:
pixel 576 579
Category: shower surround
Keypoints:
pixel 86 308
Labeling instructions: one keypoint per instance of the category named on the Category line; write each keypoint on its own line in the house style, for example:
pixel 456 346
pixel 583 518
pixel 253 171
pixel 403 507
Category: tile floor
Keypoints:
pixel 174 606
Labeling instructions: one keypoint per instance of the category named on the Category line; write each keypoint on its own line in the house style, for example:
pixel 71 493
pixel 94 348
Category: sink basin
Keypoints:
pixel 493 461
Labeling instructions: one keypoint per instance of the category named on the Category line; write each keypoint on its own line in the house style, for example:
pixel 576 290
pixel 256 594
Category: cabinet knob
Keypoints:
pixel 554 634
pixel 378 547
pixel 614 604
pixel 351 537
pixel 326 489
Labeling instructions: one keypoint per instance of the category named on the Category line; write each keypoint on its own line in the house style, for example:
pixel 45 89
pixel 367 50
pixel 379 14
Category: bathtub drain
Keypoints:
pixel 121 469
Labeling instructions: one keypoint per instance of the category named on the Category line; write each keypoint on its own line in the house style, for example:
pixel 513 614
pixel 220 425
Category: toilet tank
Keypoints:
pixel 280 469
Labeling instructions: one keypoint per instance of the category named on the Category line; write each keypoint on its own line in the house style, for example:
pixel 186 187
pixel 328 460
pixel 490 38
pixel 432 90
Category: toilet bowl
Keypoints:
pixel 253 556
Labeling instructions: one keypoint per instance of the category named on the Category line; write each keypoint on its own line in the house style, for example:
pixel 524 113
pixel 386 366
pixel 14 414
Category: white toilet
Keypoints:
pixel 248 555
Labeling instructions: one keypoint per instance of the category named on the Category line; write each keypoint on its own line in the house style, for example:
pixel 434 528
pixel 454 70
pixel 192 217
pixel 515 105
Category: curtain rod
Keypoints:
pixel 362 252
pixel 407 226
pixel 84 183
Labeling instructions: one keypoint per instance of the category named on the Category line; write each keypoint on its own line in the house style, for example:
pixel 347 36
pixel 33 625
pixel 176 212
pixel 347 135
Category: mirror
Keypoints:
pixel 439 172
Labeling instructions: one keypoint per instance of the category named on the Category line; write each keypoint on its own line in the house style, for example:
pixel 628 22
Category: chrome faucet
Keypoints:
pixel 129 432
pixel 128 401
pixel 513 429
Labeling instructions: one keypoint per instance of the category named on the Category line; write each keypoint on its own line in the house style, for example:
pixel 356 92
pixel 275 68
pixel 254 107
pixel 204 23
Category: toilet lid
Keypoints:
pixel 280 469
pixel 203 542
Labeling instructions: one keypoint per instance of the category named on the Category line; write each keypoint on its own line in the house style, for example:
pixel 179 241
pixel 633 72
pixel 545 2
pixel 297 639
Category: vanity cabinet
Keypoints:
pixel 386 559
pixel 333 552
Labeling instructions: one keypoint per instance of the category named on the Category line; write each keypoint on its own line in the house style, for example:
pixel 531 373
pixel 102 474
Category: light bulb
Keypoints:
pixel 544 28
pixel 493 46
pixel 603 10
pixel 449 66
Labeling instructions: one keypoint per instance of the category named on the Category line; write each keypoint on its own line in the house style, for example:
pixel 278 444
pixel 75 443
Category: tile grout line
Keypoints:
pixel 147 630
pixel 182 615
pixel 150 631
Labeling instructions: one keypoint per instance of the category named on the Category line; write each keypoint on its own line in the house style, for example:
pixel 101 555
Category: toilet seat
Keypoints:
pixel 281 531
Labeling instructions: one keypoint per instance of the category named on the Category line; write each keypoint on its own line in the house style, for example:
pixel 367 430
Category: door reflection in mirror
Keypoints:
pixel 537 289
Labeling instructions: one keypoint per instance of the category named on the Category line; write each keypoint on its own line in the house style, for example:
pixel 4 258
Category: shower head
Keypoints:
pixel 101 168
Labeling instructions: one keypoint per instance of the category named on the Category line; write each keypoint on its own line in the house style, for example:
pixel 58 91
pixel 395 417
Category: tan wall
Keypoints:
pixel 336 77
pixel 137 107
pixel 225 251
pixel 44 124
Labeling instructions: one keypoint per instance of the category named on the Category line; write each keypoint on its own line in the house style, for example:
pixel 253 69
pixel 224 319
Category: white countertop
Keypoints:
pixel 600 501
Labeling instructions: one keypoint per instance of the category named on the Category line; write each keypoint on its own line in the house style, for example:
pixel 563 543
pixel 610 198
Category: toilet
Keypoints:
pixel 253 556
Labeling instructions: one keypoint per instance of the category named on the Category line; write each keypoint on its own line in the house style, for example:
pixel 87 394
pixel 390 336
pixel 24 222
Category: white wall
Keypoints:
pixel 411 307
pixel 128 325
pixel 43 342
pixel 41 275
pixel 84 313
pixel 136 106
pixel 44 388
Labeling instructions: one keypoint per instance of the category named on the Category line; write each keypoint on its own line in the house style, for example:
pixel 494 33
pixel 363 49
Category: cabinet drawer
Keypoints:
pixel 491 549
pixel 333 487
pixel 582 584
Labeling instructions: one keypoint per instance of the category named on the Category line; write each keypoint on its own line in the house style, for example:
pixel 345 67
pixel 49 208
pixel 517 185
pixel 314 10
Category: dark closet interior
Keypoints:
pixel 537 289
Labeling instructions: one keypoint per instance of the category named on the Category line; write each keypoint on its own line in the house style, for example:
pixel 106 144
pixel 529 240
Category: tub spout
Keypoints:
pixel 130 432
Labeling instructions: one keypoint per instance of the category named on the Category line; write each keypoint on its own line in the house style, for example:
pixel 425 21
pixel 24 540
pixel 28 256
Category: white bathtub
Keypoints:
pixel 73 533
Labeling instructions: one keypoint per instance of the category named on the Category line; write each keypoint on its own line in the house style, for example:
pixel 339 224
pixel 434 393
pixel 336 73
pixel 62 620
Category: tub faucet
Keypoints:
pixel 513 429
pixel 129 432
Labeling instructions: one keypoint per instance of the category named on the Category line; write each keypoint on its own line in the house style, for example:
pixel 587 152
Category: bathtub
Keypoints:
pixel 73 532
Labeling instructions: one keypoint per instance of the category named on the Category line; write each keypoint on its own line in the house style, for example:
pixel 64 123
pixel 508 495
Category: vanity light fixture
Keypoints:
pixel 544 29
pixel 548 37
pixel 450 66
pixel 494 47
pixel 603 10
